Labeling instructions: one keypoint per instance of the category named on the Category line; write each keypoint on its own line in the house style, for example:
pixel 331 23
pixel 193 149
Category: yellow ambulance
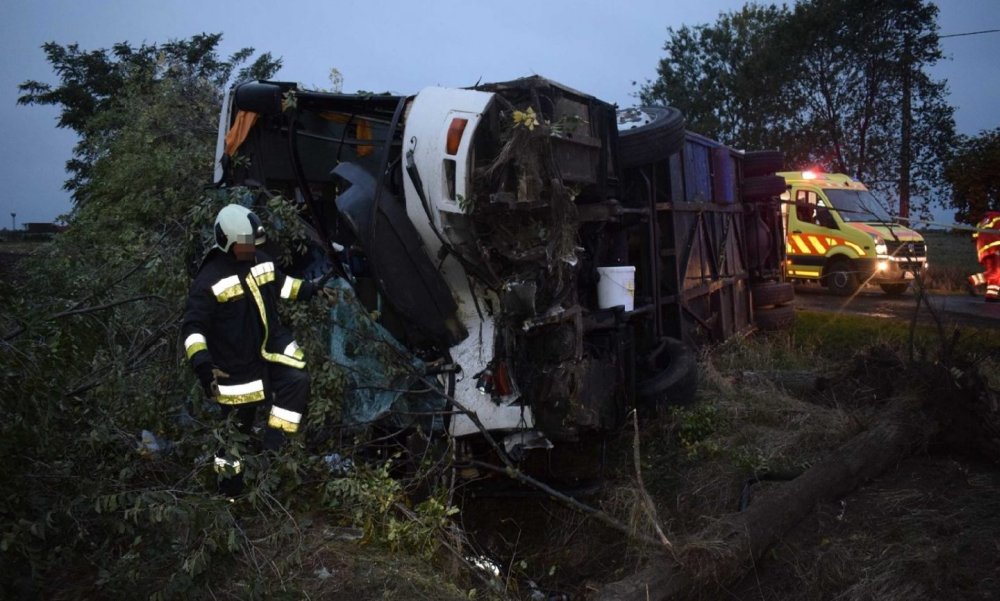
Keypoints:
pixel 839 234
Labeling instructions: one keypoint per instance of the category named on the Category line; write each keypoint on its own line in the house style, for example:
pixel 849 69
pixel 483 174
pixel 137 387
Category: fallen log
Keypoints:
pixel 954 406
pixel 724 552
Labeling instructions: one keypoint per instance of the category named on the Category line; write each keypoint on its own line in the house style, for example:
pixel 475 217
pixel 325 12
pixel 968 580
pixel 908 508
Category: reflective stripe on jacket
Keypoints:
pixel 231 322
pixel 988 243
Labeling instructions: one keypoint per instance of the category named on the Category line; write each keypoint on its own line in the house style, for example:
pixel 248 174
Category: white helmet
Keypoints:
pixel 236 223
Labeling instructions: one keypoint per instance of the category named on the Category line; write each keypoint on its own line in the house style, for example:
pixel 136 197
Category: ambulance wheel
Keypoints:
pixel 894 289
pixel 762 187
pixel 773 319
pixel 674 378
pixel 762 162
pixel 657 133
pixel 841 279
pixel 772 293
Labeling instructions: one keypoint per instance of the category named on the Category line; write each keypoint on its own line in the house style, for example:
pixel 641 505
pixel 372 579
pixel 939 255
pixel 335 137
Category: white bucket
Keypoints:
pixel 616 286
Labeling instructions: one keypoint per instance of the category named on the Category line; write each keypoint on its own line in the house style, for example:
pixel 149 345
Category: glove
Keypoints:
pixel 209 375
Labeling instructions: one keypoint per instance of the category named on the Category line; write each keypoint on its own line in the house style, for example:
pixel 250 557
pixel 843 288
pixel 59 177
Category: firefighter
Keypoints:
pixel 987 238
pixel 243 356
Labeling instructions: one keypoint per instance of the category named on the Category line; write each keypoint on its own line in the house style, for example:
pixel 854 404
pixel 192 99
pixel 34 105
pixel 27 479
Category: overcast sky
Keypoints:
pixel 598 47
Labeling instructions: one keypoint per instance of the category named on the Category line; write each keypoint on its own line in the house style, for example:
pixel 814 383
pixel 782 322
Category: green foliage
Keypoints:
pixel 375 500
pixel 837 336
pixel 823 82
pixel 972 176
pixel 93 376
pixel 726 78
pixel 94 83
pixel 695 426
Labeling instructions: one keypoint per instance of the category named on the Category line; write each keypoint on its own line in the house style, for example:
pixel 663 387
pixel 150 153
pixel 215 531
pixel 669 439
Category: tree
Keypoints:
pixel 839 84
pixel 108 479
pixel 93 82
pixel 90 355
pixel 726 78
pixel 972 176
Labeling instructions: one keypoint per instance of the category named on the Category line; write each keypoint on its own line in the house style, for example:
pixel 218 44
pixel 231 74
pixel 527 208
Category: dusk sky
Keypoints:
pixel 599 47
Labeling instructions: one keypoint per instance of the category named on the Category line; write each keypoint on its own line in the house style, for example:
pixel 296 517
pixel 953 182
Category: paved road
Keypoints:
pixel 960 309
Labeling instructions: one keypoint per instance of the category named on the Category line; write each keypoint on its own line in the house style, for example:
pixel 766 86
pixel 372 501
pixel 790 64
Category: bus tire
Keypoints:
pixel 773 319
pixel 762 162
pixel 772 293
pixel 654 141
pixel 674 379
pixel 763 187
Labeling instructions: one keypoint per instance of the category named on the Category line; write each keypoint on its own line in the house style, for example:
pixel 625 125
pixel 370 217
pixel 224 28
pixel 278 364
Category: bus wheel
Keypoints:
pixel 774 319
pixel 657 134
pixel 762 162
pixel 673 379
pixel 767 294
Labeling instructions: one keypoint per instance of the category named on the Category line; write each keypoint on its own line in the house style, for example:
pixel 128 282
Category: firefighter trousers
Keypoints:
pixel 288 394
pixel 990 277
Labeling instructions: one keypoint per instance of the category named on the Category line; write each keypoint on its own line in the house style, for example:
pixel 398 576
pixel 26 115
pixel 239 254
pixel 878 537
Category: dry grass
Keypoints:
pixel 952 258
pixel 335 569
pixel 946 278
pixel 914 534
pixel 928 531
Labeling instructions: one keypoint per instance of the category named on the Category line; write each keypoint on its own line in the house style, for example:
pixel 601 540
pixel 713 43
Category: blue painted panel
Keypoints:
pixel 725 175
pixel 697 172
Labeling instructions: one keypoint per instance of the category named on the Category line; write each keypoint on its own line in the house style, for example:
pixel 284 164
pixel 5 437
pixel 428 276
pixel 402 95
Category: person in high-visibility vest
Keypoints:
pixel 243 355
pixel 987 238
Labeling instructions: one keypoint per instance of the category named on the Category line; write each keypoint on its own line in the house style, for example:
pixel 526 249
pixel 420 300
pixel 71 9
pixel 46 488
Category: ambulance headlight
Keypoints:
pixel 880 248
pixel 883 266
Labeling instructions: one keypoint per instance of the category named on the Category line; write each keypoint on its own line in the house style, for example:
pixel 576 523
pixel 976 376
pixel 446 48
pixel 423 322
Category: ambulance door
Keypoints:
pixel 809 222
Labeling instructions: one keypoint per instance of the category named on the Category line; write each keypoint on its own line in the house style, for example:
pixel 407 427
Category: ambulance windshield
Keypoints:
pixel 858 205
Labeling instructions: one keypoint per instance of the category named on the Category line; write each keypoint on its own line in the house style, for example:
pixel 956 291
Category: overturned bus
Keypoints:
pixel 546 261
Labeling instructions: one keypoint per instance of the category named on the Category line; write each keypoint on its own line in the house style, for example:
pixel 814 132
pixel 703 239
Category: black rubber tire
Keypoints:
pixel 840 278
pixel 762 162
pixel 773 319
pixel 763 186
pixel 894 289
pixel 654 141
pixel 772 293
pixel 674 378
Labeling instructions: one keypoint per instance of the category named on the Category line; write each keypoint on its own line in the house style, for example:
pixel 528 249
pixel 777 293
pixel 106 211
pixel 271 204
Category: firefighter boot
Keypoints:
pixel 273 439
pixel 231 486
pixel 229 476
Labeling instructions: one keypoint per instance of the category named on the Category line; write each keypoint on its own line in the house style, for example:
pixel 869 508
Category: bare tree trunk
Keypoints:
pixel 726 551
pixel 955 406
pixel 905 137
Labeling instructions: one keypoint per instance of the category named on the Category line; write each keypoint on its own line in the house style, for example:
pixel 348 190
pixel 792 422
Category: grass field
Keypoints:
pixel 952 258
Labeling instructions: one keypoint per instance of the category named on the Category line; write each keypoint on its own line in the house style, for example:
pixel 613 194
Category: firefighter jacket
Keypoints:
pixel 988 243
pixel 231 323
